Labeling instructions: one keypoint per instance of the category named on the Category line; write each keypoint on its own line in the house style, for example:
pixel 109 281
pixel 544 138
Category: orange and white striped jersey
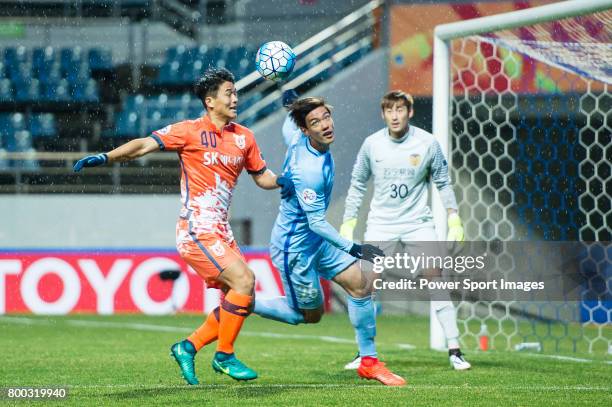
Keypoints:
pixel 211 160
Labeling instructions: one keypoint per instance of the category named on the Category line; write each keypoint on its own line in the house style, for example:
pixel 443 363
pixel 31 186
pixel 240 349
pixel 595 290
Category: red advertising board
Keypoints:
pixel 114 281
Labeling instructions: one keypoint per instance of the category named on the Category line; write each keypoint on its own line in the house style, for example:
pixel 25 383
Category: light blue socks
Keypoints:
pixel 362 314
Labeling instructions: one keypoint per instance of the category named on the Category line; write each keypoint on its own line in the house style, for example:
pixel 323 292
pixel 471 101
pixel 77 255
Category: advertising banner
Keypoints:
pixel 115 281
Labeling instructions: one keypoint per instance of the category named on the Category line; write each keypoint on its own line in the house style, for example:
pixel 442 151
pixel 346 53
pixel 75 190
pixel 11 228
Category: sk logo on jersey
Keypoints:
pixel 414 159
pixel 309 196
pixel 218 248
pixel 240 141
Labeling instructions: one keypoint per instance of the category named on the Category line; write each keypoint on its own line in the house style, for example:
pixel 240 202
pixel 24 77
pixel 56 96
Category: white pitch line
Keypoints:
pixel 167 328
pixel 560 357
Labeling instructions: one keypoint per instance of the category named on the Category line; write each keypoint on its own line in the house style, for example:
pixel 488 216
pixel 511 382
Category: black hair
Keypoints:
pixel 209 83
pixel 299 109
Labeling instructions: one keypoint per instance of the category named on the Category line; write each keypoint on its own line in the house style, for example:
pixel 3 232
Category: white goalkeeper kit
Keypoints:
pixel 402 170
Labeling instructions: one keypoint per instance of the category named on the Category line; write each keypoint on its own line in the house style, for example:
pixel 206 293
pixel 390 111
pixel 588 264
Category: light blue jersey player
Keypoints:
pixel 304 246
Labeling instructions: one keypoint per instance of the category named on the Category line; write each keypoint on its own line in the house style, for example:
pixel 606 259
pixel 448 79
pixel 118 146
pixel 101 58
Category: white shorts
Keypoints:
pixel 424 234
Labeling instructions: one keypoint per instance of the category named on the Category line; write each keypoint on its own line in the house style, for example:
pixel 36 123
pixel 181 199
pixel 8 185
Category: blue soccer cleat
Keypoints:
pixel 184 354
pixel 231 366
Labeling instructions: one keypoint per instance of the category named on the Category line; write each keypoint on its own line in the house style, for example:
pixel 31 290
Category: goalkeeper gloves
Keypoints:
pixel 90 161
pixel 455 228
pixel 347 228
pixel 366 252
pixel 287 187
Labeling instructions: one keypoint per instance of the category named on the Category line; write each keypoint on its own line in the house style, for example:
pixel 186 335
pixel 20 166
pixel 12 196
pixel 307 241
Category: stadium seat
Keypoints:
pixel 134 103
pixel 43 125
pixel 27 91
pixel 5 127
pixel 43 59
pixel 56 92
pixel 100 59
pixel 3 73
pixel 50 75
pixel 70 58
pixel 127 124
pixel 85 91
pixel 160 102
pixel 10 55
pixel 21 71
pixel 79 72
pixel 6 90
pixel 21 142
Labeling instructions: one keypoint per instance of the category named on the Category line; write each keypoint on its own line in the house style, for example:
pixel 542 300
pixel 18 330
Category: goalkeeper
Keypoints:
pixel 403 159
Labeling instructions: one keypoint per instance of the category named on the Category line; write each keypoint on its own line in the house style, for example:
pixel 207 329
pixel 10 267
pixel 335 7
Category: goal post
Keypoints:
pixel 494 122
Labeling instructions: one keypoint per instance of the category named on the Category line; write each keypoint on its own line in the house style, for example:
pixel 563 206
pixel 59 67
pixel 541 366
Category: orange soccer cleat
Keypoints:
pixel 376 370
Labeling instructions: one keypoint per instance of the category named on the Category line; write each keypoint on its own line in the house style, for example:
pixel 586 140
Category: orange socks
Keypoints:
pixel 207 333
pixel 234 310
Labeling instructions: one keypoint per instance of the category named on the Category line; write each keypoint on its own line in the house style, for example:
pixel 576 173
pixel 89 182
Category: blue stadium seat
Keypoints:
pixel 160 102
pixel 127 124
pixel 43 125
pixel 134 103
pixel 172 73
pixel 79 72
pixel 15 56
pixel 196 69
pixel 71 60
pixel 21 142
pixel 10 55
pixel 50 74
pixel 85 91
pixel 42 58
pixel 5 127
pixel 27 91
pixel 6 90
pixel 202 51
pixel 21 71
pixel 100 59
pixel 56 92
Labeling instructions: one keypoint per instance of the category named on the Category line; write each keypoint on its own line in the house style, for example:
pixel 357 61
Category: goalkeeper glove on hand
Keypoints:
pixel 366 252
pixel 347 228
pixel 455 229
pixel 90 161
pixel 287 187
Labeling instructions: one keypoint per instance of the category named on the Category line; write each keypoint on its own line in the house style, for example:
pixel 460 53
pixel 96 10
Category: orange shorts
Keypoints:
pixel 209 255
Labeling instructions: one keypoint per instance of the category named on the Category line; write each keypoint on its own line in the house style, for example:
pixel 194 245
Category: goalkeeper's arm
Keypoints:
pixel 359 184
pixel 441 178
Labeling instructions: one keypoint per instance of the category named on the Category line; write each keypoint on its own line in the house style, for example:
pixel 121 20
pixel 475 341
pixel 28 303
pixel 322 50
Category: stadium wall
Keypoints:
pixel 88 221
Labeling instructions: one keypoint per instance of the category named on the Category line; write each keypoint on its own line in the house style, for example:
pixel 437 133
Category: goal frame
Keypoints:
pixel 443 35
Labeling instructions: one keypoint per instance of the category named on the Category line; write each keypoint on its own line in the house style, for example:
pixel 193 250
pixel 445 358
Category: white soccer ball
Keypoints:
pixel 275 60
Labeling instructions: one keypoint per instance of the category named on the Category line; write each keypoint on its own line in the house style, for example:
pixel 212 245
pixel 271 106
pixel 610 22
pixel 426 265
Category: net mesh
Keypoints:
pixel 531 153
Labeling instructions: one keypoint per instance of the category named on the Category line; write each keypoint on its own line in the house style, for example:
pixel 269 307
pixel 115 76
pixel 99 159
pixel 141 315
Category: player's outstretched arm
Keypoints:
pixel 269 180
pixel 320 226
pixel 128 151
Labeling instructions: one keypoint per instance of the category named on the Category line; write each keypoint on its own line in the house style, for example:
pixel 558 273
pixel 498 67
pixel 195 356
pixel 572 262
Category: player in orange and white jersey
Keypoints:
pixel 212 152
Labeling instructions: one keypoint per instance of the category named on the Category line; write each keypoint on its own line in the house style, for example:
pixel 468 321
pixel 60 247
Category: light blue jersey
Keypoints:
pixel 301 225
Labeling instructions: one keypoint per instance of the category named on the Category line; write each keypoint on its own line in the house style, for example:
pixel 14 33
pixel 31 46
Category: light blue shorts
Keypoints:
pixel 300 272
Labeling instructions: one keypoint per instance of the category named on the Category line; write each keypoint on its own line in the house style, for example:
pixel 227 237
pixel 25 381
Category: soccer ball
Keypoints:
pixel 275 60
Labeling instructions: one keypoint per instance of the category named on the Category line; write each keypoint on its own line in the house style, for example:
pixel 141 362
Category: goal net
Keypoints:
pixel 530 142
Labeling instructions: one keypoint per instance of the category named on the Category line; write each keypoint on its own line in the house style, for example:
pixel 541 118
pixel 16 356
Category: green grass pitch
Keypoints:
pixel 124 360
